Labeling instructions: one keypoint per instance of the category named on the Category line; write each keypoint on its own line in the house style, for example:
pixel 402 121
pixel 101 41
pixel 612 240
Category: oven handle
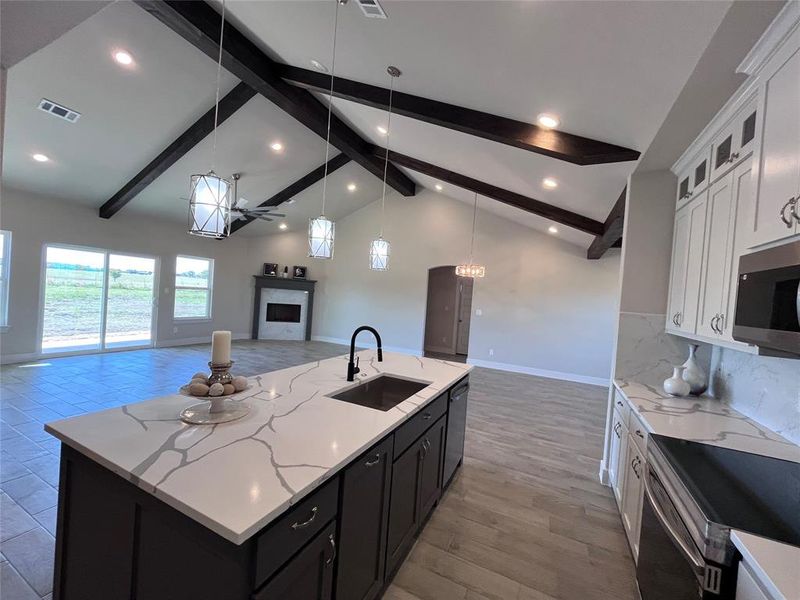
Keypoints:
pixel 798 300
pixel 698 564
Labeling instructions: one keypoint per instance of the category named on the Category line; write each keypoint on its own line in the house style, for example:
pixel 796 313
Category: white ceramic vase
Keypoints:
pixel 675 385
pixel 694 375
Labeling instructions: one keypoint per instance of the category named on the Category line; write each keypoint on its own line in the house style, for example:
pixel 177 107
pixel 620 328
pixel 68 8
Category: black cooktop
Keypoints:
pixel 737 489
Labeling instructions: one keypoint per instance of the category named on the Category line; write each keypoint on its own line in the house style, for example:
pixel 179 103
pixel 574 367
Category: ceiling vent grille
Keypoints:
pixel 372 9
pixel 62 112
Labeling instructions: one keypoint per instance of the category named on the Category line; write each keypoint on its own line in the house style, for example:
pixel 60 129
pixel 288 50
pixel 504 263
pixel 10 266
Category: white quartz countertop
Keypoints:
pixel 775 565
pixel 704 419
pixel 237 477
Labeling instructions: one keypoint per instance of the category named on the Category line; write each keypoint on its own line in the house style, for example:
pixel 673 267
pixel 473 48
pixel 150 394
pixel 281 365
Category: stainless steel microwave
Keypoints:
pixel 768 300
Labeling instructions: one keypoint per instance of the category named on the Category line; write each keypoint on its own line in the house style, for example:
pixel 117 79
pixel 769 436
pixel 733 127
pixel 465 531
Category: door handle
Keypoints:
pixel 333 550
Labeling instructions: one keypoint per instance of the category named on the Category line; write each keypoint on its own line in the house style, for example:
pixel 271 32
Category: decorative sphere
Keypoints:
pixel 239 383
pixel 216 389
pixel 198 389
pixel 227 389
pixel 200 375
pixel 202 380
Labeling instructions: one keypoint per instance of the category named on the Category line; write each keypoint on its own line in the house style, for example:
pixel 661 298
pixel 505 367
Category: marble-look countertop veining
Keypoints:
pixel 704 419
pixel 775 565
pixel 237 477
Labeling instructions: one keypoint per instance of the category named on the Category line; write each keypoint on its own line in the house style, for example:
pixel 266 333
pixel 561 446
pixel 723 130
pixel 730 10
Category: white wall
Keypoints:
pixel 35 221
pixel 546 308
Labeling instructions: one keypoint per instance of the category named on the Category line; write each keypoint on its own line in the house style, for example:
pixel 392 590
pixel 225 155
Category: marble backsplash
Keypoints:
pixel 765 389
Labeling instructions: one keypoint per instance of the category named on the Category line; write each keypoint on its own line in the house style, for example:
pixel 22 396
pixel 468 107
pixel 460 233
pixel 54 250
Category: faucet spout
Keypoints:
pixel 352 365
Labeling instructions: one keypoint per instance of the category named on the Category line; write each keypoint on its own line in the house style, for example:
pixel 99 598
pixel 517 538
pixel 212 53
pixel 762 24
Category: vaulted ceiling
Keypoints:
pixel 610 70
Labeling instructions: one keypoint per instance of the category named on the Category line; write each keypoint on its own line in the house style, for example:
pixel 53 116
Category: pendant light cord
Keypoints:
pixel 330 106
pixel 474 218
pixel 216 101
pixel 386 160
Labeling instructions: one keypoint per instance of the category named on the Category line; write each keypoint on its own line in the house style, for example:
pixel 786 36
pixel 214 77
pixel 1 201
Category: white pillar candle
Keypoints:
pixel 221 347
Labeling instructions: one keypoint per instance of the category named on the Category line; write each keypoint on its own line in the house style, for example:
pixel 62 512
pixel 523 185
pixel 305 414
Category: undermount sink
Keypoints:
pixel 382 393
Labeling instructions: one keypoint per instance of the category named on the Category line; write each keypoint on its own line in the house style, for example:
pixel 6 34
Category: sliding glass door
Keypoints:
pixel 96 300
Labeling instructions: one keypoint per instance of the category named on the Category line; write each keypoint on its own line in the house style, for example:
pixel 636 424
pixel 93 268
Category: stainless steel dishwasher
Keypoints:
pixel 456 423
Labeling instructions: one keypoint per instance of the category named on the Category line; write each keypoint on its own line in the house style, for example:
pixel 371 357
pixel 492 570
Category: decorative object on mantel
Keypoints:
pixel 470 269
pixel 299 272
pixel 694 375
pixel 380 249
pixel 285 273
pixel 321 230
pixel 216 386
pixel 675 385
pixel 270 269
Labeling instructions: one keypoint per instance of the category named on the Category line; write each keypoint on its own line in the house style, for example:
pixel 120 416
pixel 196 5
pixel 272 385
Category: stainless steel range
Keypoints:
pixel 694 495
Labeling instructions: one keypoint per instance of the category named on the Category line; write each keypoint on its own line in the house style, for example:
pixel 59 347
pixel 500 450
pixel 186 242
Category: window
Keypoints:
pixel 5 264
pixel 193 283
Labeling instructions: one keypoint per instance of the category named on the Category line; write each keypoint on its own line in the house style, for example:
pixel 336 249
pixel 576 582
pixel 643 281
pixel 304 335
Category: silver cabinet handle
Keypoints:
pixel 426 416
pixel 616 429
pixel 333 550
pixel 721 324
pixel 619 402
pixel 791 202
pixel 306 523
pixel 794 210
pixel 639 433
pixel 714 323
pixel 733 157
pixel 680 318
pixel 374 461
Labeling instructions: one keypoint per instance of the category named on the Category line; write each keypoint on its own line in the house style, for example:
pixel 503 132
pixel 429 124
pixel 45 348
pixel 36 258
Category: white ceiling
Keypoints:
pixel 611 70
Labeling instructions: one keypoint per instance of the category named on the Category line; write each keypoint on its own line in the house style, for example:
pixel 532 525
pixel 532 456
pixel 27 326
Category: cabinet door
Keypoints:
pixel 613 454
pixel 716 267
pixel 618 484
pixel 632 495
pixel 677 286
pixel 779 162
pixel 309 575
pixel 687 257
pixel 363 524
pixel 404 513
pixel 430 475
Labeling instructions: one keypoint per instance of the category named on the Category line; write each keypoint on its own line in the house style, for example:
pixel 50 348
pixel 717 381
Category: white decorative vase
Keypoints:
pixel 675 385
pixel 694 375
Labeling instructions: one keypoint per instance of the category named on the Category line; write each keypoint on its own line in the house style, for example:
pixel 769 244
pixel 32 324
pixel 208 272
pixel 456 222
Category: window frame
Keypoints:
pixel 5 279
pixel 209 290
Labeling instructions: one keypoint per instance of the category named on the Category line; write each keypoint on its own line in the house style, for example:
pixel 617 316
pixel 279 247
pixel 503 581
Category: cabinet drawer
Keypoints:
pixel 621 406
pixel 638 432
pixel 409 431
pixel 294 529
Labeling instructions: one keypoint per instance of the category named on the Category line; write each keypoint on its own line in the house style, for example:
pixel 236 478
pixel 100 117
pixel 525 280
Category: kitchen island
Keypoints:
pixel 304 496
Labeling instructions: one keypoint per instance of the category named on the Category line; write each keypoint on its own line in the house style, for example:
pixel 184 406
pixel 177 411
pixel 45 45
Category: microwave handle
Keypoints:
pixel 698 564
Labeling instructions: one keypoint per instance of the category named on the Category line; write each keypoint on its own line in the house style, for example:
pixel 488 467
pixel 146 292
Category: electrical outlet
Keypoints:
pixel 174 330
pixel 491 351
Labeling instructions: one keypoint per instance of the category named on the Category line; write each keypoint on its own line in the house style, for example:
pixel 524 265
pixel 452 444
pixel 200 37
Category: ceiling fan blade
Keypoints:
pixel 262 218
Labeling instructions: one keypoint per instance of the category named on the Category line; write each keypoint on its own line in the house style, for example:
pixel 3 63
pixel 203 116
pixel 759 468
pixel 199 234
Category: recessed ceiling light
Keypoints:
pixel 283 226
pixel 40 158
pixel 382 130
pixel 276 146
pixel 552 229
pixel 438 187
pixel 123 58
pixel 318 65
pixel 549 183
pixel 351 187
pixel 548 121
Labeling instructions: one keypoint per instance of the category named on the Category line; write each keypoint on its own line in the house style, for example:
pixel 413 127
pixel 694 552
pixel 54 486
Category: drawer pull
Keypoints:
pixel 619 402
pixel 374 461
pixel 306 523
pixel 427 416
pixel 333 550
pixel 639 433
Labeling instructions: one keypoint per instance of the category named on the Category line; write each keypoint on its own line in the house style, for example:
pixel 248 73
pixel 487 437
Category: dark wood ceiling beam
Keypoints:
pixel 555 144
pixel 537 207
pixel 295 188
pixel 228 105
pixel 612 230
pixel 199 24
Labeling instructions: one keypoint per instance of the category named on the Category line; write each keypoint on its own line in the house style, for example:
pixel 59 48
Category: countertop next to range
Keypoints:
pixel 236 477
pixel 776 565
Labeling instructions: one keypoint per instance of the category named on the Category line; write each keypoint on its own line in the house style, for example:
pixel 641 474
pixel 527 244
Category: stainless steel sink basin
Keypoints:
pixel 382 393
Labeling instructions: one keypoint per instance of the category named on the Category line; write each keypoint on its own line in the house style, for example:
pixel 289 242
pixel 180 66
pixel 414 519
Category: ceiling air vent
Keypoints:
pixel 372 9
pixel 58 110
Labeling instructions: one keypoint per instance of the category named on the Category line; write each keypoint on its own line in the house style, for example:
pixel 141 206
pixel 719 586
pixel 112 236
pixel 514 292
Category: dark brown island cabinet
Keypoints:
pixel 343 541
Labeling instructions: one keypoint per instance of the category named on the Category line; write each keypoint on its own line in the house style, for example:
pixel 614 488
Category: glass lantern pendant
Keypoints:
pixel 320 237
pixel 209 205
pixel 379 251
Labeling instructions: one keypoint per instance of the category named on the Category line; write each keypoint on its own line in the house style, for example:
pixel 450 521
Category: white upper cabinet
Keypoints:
pixel 735 141
pixel 694 178
pixel 778 166
pixel 687 253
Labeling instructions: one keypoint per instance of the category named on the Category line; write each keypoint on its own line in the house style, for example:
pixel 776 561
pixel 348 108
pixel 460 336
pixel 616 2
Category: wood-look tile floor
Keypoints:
pixel 525 519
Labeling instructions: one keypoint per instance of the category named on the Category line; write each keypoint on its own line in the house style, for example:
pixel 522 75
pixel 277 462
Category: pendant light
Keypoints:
pixel 470 269
pixel 210 194
pixel 321 230
pixel 380 249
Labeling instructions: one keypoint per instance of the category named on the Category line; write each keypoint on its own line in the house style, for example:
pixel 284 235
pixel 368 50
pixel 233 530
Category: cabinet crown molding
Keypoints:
pixel 786 21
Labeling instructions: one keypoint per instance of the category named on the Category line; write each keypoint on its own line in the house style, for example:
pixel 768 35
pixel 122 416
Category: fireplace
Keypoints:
pixel 283 313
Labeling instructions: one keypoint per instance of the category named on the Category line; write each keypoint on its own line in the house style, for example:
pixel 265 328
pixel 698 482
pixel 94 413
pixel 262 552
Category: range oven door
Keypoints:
pixel 768 300
pixel 670 566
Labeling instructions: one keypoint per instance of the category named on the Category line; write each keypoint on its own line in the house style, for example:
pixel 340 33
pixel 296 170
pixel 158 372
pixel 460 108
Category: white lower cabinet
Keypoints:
pixel 619 448
pixel 746 586
pixel 631 507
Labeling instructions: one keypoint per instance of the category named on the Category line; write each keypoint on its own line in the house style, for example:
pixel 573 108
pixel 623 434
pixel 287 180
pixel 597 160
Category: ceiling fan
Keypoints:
pixel 239 212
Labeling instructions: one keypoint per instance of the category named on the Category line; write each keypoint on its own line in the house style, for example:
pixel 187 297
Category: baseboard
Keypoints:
pixel 10 359
pixel 360 344
pixel 577 378
pixel 206 339
pixel 440 349
pixel 604 474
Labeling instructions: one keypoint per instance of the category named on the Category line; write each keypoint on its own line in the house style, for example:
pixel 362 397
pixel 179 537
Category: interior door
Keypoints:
pixel 464 314
pixel 129 301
